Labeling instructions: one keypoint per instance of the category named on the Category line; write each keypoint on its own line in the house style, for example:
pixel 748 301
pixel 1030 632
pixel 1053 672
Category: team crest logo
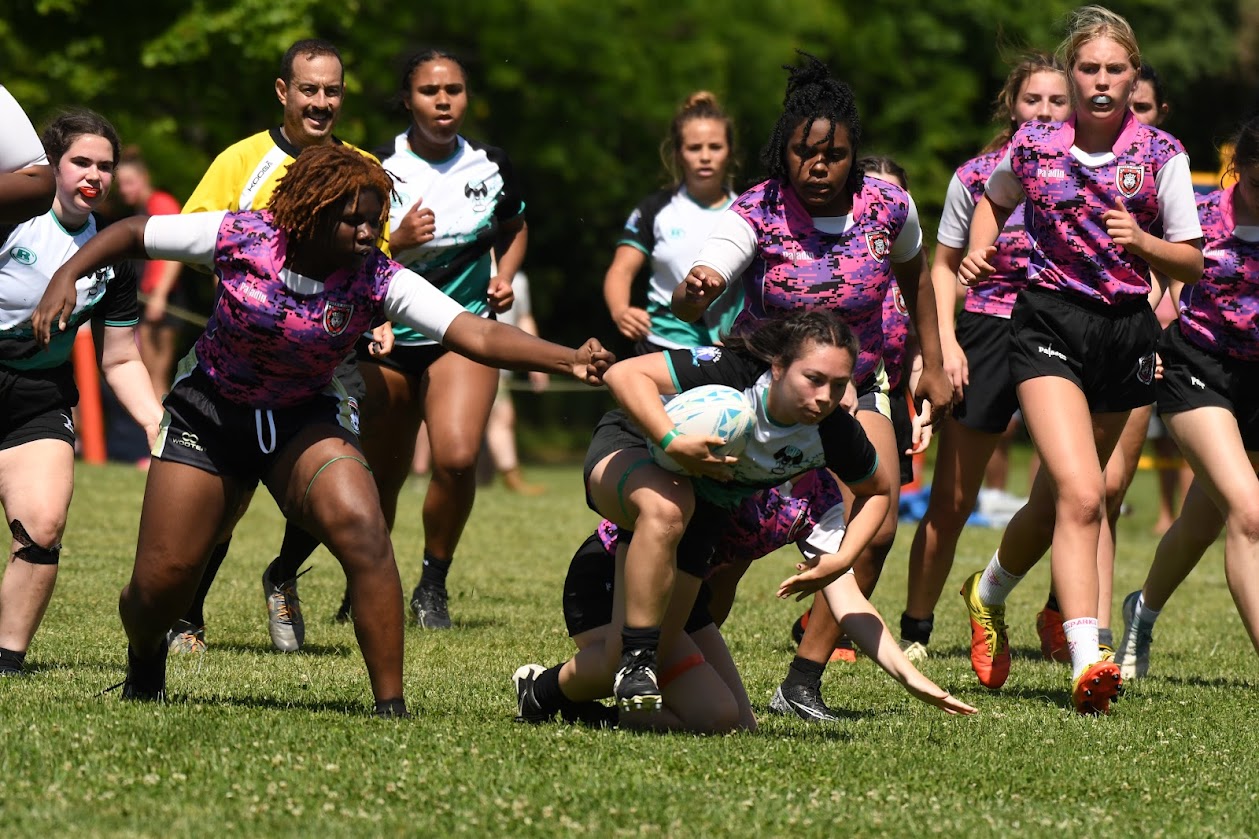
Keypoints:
pixel 711 355
pixel 336 317
pixel 477 193
pixel 1145 369
pixel 879 244
pixel 23 255
pixel 1129 180
pixel 898 300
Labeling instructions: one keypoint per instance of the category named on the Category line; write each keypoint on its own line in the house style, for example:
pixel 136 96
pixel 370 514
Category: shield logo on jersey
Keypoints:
pixel 879 244
pixel 336 317
pixel 1145 369
pixel 1129 180
pixel 898 300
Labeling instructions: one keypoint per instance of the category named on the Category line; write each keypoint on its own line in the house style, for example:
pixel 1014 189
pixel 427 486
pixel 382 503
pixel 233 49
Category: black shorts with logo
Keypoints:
pixel 1197 378
pixel 989 400
pixel 200 428
pixel 590 587
pixel 36 405
pixel 1105 350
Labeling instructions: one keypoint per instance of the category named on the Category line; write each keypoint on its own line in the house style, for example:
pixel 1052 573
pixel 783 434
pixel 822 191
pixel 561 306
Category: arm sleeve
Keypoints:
pixel 1003 187
pixel 730 248
pixel 1177 205
pixel 954 231
pixel 711 366
pixel 909 242
pixel 119 306
pixel 415 302
pixel 19 144
pixel 190 238
pixel 849 453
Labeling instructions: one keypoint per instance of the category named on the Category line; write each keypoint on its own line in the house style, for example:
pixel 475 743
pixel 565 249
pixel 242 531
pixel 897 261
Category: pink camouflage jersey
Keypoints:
pixel 895 335
pixel 764 522
pixel 1220 313
pixel 1071 250
pixel 798 266
pixel 267 346
pixel 995 295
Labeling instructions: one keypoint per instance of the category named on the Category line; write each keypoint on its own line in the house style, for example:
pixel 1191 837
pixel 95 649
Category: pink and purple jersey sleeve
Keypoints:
pixel 268 345
pixel 798 266
pixel 895 334
pixel 1066 201
pixel 996 295
pixel 1220 313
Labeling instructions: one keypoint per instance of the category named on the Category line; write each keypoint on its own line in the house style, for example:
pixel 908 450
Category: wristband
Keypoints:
pixel 668 438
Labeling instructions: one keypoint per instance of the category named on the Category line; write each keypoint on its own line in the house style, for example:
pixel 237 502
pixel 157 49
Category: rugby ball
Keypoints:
pixel 710 410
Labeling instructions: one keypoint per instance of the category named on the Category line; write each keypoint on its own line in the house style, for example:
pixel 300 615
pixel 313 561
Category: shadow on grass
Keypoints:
pixel 262 648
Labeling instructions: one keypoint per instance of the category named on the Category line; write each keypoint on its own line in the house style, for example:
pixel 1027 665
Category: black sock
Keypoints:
pixel 11 661
pixel 435 571
pixel 547 691
pixel 804 672
pixel 1052 602
pixel 195 614
pixel 392 709
pixel 640 638
pixel 296 548
pixel 915 629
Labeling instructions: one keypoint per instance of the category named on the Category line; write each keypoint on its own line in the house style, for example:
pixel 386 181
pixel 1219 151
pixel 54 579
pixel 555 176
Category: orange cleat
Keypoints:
pixel 1053 641
pixel 844 651
pixel 1095 688
pixel 989 644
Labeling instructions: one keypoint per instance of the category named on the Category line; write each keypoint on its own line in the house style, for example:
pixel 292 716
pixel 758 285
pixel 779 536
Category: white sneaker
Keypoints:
pixel 284 612
pixel 1132 653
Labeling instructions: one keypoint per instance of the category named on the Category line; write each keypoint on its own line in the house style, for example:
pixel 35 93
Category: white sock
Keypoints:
pixel 1143 614
pixel 996 583
pixel 1082 641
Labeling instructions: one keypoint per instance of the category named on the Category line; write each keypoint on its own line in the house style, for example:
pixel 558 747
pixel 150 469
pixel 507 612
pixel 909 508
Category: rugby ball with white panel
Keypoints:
pixel 713 411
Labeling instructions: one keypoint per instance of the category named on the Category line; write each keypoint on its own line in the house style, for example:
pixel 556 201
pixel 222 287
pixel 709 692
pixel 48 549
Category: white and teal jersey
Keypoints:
pixel 471 193
pixel 670 227
pixel 32 252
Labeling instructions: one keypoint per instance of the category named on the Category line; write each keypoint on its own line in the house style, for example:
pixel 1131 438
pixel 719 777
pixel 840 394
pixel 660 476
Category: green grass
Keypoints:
pixel 255 743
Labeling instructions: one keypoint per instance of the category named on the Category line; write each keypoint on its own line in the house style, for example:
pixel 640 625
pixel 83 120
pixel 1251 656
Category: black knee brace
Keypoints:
pixel 31 552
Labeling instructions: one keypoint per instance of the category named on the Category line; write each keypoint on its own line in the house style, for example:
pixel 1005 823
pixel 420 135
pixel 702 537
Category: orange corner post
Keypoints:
pixel 87 377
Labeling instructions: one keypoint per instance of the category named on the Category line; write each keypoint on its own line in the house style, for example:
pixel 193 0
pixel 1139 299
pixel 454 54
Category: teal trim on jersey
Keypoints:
pixel 122 323
pixel 869 474
pixel 666 325
pixel 446 159
pixel 70 233
pixel 635 245
pixel 668 362
pixel 468 289
pixel 730 199
pixel 768 415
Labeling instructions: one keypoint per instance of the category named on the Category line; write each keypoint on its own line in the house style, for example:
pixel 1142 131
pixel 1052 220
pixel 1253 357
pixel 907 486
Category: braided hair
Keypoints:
pixel 309 198
pixel 812 94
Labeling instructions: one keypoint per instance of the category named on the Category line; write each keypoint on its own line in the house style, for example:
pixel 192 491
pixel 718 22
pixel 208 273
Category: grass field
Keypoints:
pixel 254 743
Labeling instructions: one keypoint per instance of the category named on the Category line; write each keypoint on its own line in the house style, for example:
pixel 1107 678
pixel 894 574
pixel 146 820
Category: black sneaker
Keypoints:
pixel 527 707
pixel 146 678
pixel 591 714
pixel 802 701
pixel 392 709
pixel 343 613
pixel 429 607
pixel 636 688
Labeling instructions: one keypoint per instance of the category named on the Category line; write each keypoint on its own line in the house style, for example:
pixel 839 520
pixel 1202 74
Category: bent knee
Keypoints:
pixel 1244 522
pixel 37 534
pixel 1082 505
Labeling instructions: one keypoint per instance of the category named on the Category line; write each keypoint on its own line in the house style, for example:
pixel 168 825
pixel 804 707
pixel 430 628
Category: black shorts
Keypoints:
pixel 989 401
pixel 200 428
pixel 410 360
pixel 903 425
pixel 36 405
pixel 590 587
pixel 1105 350
pixel 616 432
pixel 1196 378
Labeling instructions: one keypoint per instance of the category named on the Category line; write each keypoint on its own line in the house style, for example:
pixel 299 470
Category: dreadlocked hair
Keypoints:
pixel 780 339
pixel 812 94
pixel 310 196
